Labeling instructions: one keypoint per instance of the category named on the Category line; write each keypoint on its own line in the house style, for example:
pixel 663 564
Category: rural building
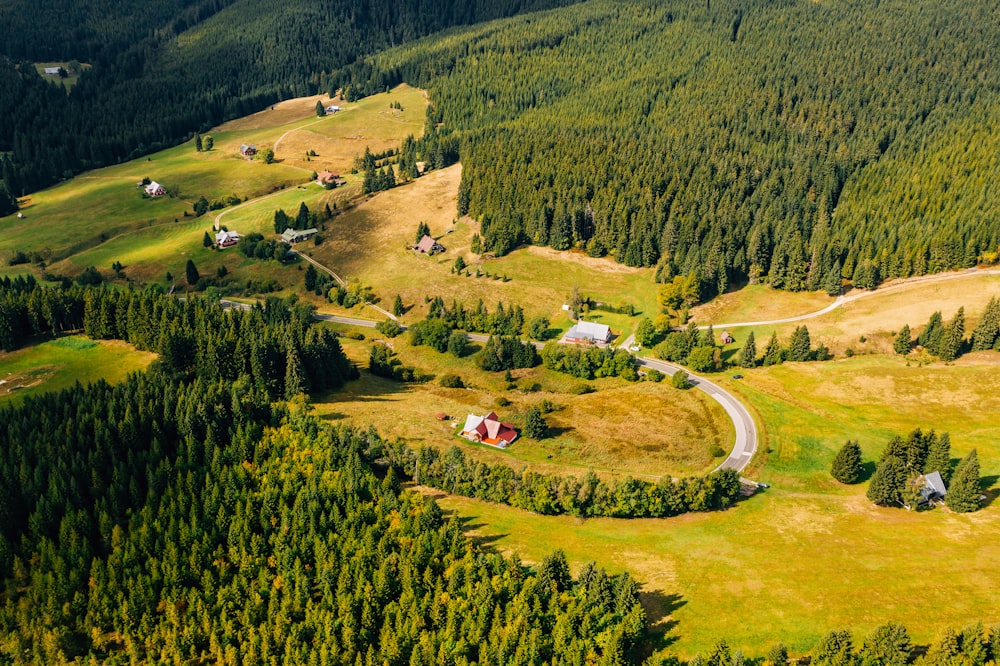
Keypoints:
pixel 329 179
pixel 248 150
pixel 934 489
pixel 292 236
pixel 226 239
pixel 428 245
pixel 54 71
pixel 154 189
pixel 588 332
pixel 488 430
pixel 333 108
pixel 726 338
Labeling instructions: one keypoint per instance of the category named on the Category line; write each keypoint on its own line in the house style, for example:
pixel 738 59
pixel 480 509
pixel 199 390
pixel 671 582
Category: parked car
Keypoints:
pixel 737 376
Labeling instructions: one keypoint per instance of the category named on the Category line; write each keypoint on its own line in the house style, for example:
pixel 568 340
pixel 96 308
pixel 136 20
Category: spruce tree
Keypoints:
pixel 954 334
pixel 191 273
pixel 930 337
pixel 302 217
pixel 888 645
pixel 988 328
pixel 799 346
pixel 320 109
pixel 207 241
pixel 296 381
pixel 198 146
pixel 939 457
pixel 208 142
pixel 847 466
pixel 777 656
pixel 832 281
pixel 748 355
pixel 903 342
pixel 773 354
pixel 887 483
pixel 535 426
pixel 397 306
pixel 963 493
pixel 422 230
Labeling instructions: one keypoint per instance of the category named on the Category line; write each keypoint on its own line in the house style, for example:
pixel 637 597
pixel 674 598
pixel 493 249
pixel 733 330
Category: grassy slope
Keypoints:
pixel 57 364
pixel 809 555
pixel 641 429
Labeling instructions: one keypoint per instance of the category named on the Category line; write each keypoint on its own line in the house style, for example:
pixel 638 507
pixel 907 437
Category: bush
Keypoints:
pixel 451 381
pixel 502 402
pixel 389 328
pixel 582 389
pixel 681 380
pixel 654 375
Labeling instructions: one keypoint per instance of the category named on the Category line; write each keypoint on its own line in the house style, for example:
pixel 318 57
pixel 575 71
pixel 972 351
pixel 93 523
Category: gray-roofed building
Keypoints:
pixel 934 488
pixel 588 332
pixel 292 236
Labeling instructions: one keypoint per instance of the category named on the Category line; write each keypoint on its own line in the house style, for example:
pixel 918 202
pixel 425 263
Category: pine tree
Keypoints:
pixel 207 241
pixel 939 457
pixel 847 466
pixel 397 306
pixel 208 142
pixel 888 645
pixel 320 109
pixel 954 334
pixel 422 230
pixel 535 426
pixel 198 146
pixel 963 493
pixel 773 354
pixel 930 337
pixel 302 217
pixel 903 342
pixel 777 656
pixel 799 346
pixel 832 281
pixel 191 273
pixel 310 277
pixel 296 381
pixel 748 355
pixel 887 483
pixel 988 328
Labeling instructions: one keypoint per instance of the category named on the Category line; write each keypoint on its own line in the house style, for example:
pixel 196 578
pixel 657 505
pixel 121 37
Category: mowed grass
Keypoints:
pixel 808 555
pixel 372 243
pixel 641 429
pixel 60 363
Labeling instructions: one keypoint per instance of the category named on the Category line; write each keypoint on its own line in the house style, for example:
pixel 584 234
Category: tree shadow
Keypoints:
pixel 659 608
pixel 991 493
pixel 867 470
pixel 558 431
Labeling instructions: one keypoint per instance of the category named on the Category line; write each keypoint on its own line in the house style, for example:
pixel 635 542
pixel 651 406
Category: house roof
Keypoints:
pixel 223 236
pixel 489 427
pixel 590 330
pixel 289 235
pixel 426 244
pixel 327 176
pixel 247 146
pixel 471 423
pixel 934 484
pixel 153 186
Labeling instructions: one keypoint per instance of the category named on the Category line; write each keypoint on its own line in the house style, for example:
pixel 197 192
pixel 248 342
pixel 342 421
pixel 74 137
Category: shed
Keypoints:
pixel 934 487
pixel 248 150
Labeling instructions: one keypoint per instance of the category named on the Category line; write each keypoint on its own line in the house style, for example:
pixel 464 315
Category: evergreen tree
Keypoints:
pixel 847 465
pixel 311 276
pixel 320 109
pixel 281 221
pixel 8 202
pixel 832 281
pixel 939 457
pixel 954 334
pixel 988 329
pixel 302 217
pixel 748 355
pixel 903 342
pixel 836 649
pixel 208 142
pixel 198 146
pixel 930 338
pixel 777 655
pixel 965 489
pixel 459 265
pixel 207 241
pixel 535 426
pixel 458 342
pixel 887 645
pixel 296 380
pixel 191 273
pixel 888 482
pixel 773 353
pixel 799 346
pixel 422 230
pixel 397 306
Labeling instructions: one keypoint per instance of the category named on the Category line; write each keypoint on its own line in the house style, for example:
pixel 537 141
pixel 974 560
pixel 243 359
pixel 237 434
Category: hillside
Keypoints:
pixel 796 142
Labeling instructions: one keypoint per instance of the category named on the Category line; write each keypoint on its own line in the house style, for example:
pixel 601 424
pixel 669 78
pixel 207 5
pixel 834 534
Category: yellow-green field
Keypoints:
pixel 70 79
pixel 642 429
pixel 59 363
pixel 808 555
pixel 372 243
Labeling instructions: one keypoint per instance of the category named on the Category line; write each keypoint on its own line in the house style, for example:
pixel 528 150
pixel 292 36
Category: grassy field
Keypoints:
pixel 372 243
pixel 70 79
pixel 100 217
pixel 808 555
pixel 643 429
pixel 56 364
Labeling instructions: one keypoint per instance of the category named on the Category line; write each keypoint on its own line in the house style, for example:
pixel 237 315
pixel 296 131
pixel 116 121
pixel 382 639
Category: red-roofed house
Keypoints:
pixel 489 430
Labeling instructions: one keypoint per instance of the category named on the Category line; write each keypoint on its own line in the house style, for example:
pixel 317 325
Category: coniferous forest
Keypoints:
pixel 795 142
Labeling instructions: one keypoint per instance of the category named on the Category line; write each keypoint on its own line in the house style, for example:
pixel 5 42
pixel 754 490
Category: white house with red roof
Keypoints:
pixel 489 430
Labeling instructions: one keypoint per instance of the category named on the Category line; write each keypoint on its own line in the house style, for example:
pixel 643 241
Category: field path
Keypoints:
pixel 343 283
pixel 893 286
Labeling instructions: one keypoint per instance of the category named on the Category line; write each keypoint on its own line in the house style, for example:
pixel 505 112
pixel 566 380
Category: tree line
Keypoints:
pixel 786 164
pixel 948 341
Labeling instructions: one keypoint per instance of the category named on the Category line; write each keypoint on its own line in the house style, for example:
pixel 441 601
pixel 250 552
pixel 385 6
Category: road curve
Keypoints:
pixel 746 430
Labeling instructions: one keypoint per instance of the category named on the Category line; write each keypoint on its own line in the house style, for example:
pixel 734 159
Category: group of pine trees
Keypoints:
pixel 551 494
pixel 799 349
pixel 948 341
pixel 504 320
pixel 899 472
pixel 589 362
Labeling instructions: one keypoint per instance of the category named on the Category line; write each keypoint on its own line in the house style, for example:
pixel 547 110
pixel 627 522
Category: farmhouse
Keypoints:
pixel 488 430
pixel 333 108
pixel 588 332
pixel 292 236
pixel 53 71
pixel 428 245
pixel 726 338
pixel 248 150
pixel 154 189
pixel 226 239
pixel 328 179
pixel 933 489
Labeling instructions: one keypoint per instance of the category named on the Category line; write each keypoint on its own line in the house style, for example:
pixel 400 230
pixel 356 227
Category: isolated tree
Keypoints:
pixel 847 466
pixel 963 493
pixel 207 241
pixel 459 264
pixel 320 109
pixel 645 333
pixel 903 342
pixel 800 345
pixel 773 353
pixel 939 457
pixel 207 142
pixel 198 146
pixel 681 380
pixel 458 342
pixel 887 483
pixel 266 155
pixel 748 355
pixel 538 328
pixel 200 206
pixel 310 277
pixel 191 273
pixel 707 337
pixel 397 306
pixel 302 217
pixel 887 645
pixel 535 426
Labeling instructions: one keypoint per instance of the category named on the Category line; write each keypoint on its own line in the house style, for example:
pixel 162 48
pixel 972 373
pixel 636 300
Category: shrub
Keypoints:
pixel 451 381
pixel 681 380
pixel 502 401
pixel 654 375
pixel 389 328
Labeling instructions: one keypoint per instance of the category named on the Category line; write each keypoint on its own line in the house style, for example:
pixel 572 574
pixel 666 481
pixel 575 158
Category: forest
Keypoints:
pixel 796 143
pixel 162 71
